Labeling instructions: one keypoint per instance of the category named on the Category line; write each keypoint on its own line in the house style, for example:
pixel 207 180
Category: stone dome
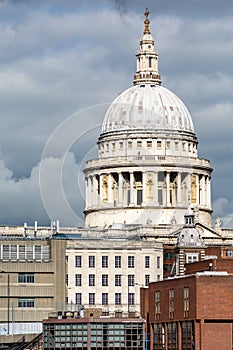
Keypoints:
pixel 147 107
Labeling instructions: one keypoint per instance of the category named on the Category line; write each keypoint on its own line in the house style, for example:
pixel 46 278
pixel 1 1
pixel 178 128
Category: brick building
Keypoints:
pixel 190 312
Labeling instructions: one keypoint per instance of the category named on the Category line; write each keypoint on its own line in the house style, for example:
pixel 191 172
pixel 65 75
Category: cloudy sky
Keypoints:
pixel 61 64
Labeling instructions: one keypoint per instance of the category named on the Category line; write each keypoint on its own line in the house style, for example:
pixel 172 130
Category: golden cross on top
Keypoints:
pixel 147 22
pixel 147 12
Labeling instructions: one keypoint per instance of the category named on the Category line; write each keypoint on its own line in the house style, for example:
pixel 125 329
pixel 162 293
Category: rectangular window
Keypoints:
pixel 117 262
pixel 158 277
pixel 78 280
pixel 131 280
pixel 147 280
pixel 168 255
pixel 91 298
pixel 190 258
pixel 67 279
pixel 104 298
pixel 91 261
pixel 158 262
pixel 186 301
pixel 22 250
pixel 121 145
pixel 160 197
pixel 130 262
pixel 171 303
pixel 159 336
pixel 91 280
pixel 67 258
pixel 157 304
pixel 117 280
pixel 139 197
pixel 104 261
pixel 118 298
pixel 113 146
pixel 129 144
pixel 176 145
pixel 26 278
pixel 168 144
pixel 159 144
pixel 131 299
pixel 149 144
pixel 172 336
pixel 229 253
pixel 147 262
pixel 78 298
pixel 187 334
pixel 78 261
pixel 104 280
pixel 150 62
pixel 139 144
pixel 26 302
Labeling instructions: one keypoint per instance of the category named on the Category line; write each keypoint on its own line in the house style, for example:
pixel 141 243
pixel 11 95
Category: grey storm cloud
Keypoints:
pixel 58 58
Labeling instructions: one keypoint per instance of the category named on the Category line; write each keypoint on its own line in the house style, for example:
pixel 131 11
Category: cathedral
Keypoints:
pixel 148 171
pixel 146 190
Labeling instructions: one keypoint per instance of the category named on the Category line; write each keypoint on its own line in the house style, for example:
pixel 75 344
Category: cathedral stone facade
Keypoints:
pixel 147 170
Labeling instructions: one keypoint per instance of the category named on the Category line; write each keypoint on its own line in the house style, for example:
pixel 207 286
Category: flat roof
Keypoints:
pixel 101 319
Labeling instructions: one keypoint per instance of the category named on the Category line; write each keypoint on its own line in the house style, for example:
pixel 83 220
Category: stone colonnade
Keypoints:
pixel 135 188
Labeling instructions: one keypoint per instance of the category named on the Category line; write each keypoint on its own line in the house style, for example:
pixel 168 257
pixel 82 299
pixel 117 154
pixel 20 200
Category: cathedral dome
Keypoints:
pixel 147 107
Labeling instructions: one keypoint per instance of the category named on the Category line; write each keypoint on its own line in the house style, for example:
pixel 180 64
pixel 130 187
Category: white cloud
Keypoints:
pixel 219 206
pixel 63 200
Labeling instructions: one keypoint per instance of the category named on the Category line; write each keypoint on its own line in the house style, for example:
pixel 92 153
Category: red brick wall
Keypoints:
pixel 217 336
pixel 178 285
pixel 210 297
pixel 210 265
pixel 215 297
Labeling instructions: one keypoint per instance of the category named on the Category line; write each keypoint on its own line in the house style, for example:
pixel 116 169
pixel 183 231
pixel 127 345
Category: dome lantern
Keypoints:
pixel 147 58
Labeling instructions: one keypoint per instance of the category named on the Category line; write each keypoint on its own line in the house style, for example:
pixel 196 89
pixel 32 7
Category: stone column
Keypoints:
pixel 156 189
pixel 131 188
pixel 101 188
pixel 110 189
pixel 189 189
pixel 208 192
pixel 91 190
pixel 95 191
pixel 168 201
pixel 179 190
pixel 143 188
pixel 197 190
pixel 205 191
pixel 87 191
pixel 120 188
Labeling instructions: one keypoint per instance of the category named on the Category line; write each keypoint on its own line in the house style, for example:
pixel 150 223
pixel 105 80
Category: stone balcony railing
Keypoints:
pixel 148 160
